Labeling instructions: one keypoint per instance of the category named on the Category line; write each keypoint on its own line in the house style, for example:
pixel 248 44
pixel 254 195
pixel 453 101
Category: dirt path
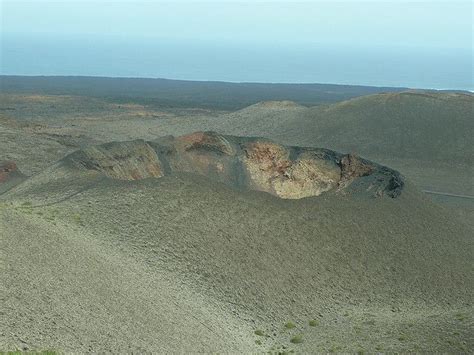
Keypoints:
pixel 447 194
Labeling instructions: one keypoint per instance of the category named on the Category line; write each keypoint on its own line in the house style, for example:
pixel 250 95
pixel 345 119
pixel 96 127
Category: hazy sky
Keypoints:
pixel 441 24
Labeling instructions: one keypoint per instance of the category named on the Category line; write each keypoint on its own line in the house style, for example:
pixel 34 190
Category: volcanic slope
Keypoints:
pixel 181 262
pixel 428 126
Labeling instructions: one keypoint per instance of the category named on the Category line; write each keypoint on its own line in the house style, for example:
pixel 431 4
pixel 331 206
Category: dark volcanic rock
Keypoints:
pixel 358 174
pixel 243 162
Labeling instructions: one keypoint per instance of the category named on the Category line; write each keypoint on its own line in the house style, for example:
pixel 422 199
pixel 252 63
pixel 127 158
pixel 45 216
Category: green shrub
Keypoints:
pixel 335 349
pixel 297 339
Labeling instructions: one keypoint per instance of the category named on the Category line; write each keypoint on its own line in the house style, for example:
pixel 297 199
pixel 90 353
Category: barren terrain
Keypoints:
pixel 219 243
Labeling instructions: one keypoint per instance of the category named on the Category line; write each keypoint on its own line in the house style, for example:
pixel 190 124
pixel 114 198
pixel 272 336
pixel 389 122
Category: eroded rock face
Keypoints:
pixel 250 163
pixel 133 160
pixel 270 168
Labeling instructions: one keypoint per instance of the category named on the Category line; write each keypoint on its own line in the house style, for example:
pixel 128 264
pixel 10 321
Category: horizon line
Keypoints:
pixel 471 90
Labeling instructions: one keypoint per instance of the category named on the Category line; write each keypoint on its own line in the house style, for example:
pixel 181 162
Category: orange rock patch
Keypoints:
pixel 6 168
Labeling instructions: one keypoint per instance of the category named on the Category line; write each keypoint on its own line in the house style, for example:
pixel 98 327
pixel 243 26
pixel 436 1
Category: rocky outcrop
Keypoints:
pixel 243 162
pixel 277 169
pixel 133 160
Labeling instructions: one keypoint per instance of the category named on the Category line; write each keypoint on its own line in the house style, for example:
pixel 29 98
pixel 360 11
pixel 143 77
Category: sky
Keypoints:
pixel 422 44
pixel 433 24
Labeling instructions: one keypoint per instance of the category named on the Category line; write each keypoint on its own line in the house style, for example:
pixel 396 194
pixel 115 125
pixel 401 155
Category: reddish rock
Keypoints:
pixel 206 141
pixel 243 162
pixel 353 166
pixel 7 168
pixel 133 160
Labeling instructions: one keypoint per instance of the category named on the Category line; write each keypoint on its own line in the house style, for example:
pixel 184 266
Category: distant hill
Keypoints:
pixel 181 93
pixel 428 126
pixel 423 134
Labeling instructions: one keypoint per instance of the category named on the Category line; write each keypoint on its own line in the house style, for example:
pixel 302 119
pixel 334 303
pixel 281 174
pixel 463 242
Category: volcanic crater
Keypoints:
pixel 242 162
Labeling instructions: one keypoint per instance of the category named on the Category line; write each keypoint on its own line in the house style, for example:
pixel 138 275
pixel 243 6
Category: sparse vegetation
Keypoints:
pixel 25 207
pixel 297 339
pixel 461 316
pixel 335 349
pixel 78 219
pixel 290 325
pixel 313 323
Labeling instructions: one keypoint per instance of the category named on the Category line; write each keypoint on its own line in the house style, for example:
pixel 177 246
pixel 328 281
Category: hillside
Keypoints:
pixel 430 127
pixel 408 125
pixel 185 263
pixel 162 244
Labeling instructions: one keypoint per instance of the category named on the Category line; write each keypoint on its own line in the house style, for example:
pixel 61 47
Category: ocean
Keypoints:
pixel 428 68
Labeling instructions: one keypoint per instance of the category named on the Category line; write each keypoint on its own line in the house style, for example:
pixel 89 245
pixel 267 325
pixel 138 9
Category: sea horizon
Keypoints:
pixel 219 61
